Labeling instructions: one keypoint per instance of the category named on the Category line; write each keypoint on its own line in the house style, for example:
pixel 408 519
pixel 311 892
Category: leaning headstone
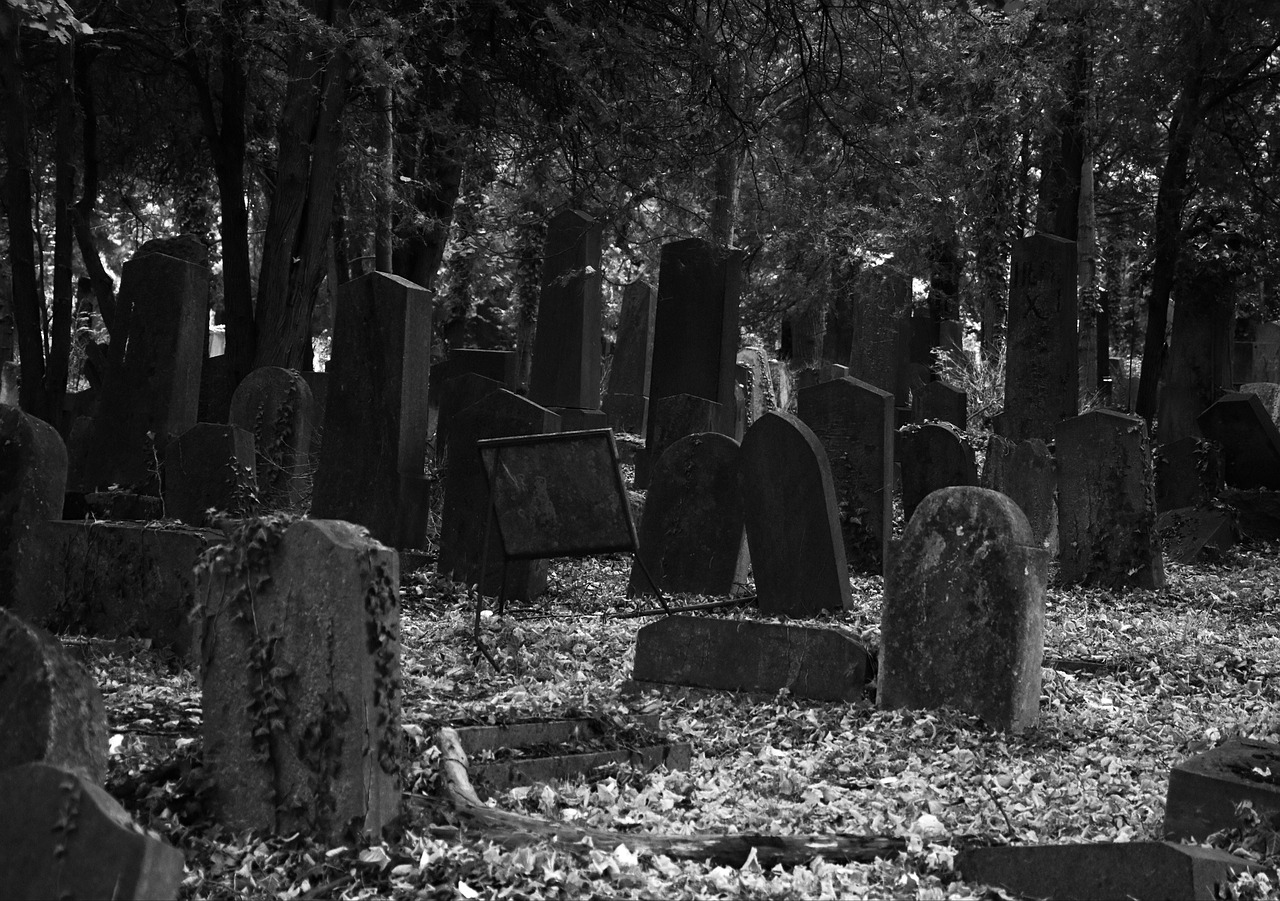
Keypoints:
pixel 1025 472
pixel 692 537
pixel 1249 437
pixel 756 382
pixel 1204 790
pixel 65 837
pixel 963 620
pixel 275 406
pixel 933 456
pixel 939 402
pixel 1142 871
pixel 455 396
pixel 49 704
pixel 670 419
pixel 1106 502
pixel 1269 394
pixel 209 467
pixel 628 395
pixel 33 482
pixel 793 526
pixel 301 683
pixel 854 422
pixel 465 514
pixel 375 429
pixel 740 655
pixel 1186 533
pixel 1042 384
pixel 1189 472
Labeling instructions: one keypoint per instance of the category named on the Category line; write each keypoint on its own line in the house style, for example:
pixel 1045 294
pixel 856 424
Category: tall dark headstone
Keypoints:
pixel 1042 384
pixel 1025 472
pixel 692 534
pixel 455 396
pixel 33 483
pixel 1198 366
pixel 209 467
pixel 466 497
pixel 793 525
pixel 627 398
pixel 882 297
pixel 940 402
pixel 276 407
pixel 1189 473
pixel 963 620
pixel 854 422
pixel 671 418
pixel 933 456
pixel 375 430
pixel 1106 502
pixel 1249 437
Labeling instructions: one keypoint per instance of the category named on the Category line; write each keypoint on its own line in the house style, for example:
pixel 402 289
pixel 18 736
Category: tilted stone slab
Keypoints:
pixel 1204 790
pixel 740 655
pixel 64 837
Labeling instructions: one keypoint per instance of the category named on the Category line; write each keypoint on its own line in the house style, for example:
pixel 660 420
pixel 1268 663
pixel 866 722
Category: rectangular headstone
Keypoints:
pixel 1025 471
pixel 633 350
pixel 932 456
pixel 940 402
pixel 1189 472
pixel 276 407
pixel 1197 366
pixel 209 467
pixel 1205 789
pixel 33 483
pixel 566 348
pixel 740 655
pixel 672 418
pixel 882 297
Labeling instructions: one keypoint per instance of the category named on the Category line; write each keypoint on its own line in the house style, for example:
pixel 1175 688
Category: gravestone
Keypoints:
pixel 1025 472
pixel 628 394
pixel 933 456
pixel 1269 394
pixel 1187 532
pixel 1197 367
pixel 881 298
pixel 455 396
pixel 1205 789
pixel 215 390
pixel 854 422
pixel 275 406
pixel 301 684
pixel 963 620
pixel 318 382
pixel 375 430
pixel 741 655
pixel 692 534
pixel 1256 356
pixel 49 704
pixel 65 837
pixel 10 371
pixel 33 483
pixel 1250 440
pixel 209 467
pixel 1189 472
pixel 565 373
pixel 939 402
pixel 756 383
pixel 465 513
pixel 1106 502
pixel 670 419
pixel 793 526
pixel 499 365
pixel 164 310
pixel 1042 384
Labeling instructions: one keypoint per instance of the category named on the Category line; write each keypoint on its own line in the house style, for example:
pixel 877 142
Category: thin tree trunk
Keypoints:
pixel 1086 250
pixel 384 127
pixel 64 237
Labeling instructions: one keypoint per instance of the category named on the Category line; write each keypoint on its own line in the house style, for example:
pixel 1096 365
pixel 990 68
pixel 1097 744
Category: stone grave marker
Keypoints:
pixel 1026 473
pixel 65 837
pixel 628 395
pixel 466 496
pixel 1269 394
pixel 372 469
pixel 1042 384
pixel 882 297
pixel 322 645
pixel 9 379
pixel 939 402
pixel 741 655
pixel 854 422
pixel 1189 472
pixel 933 456
pixel 209 467
pixel 1197 366
pixel 1205 789
pixel 33 482
pixel 963 620
pixel 793 526
pixel 756 383
pixel 672 418
pixel 455 396
pixel 49 704
pixel 692 534
pixel 1256 356
pixel 275 406
pixel 1249 437
pixel 215 390
pixel 1106 502
pixel 1186 532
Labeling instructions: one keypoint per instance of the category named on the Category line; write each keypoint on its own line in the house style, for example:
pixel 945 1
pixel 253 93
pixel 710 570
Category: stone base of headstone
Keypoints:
pixel 301 699
pixel 740 655
pixel 50 707
pixel 573 419
pixel 209 468
pixel 65 837
pixel 1188 532
pixel 1144 871
pixel 1204 790
pixel 626 412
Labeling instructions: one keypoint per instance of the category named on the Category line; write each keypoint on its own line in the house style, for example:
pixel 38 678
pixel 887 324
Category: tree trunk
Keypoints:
pixel 86 211
pixel 384 127
pixel 55 381
pixel 1086 249
pixel 1058 209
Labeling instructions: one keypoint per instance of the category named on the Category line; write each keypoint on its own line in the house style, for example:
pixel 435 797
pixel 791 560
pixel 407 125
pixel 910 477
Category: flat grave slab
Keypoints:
pixel 1204 790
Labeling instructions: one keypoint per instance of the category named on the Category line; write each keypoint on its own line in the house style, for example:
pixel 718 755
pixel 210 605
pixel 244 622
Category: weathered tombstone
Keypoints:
pixel 1042 384
pixel 455 396
pixel 940 402
pixel 882 297
pixel 209 467
pixel 565 374
pixel 464 516
pixel 963 620
pixel 793 527
pixel 275 406
pixel 756 383
pixel 1185 533
pixel 33 482
pixel 740 655
pixel 1205 789
pixel 301 683
pixel 1025 472
pixel 499 365
pixel 1189 472
pixel 692 534
pixel 854 422
pixel 933 456
pixel 65 837
pixel 1197 367
pixel 627 398
pixel 50 707
pixel 1250 440
pixel 156 394
pixel 1106 502
pixel 375 431
pixel 1142 871
pixel 670 419
pixel 1269 394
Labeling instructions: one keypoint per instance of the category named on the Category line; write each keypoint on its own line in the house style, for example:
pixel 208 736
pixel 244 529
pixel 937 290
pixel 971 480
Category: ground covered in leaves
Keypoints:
pixel 1133 683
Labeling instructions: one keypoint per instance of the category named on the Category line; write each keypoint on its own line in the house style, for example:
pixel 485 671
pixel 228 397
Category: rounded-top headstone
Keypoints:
pixel 276 407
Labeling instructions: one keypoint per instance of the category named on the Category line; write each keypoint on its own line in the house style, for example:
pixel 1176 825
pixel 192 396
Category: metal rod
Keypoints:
pixel 710 605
